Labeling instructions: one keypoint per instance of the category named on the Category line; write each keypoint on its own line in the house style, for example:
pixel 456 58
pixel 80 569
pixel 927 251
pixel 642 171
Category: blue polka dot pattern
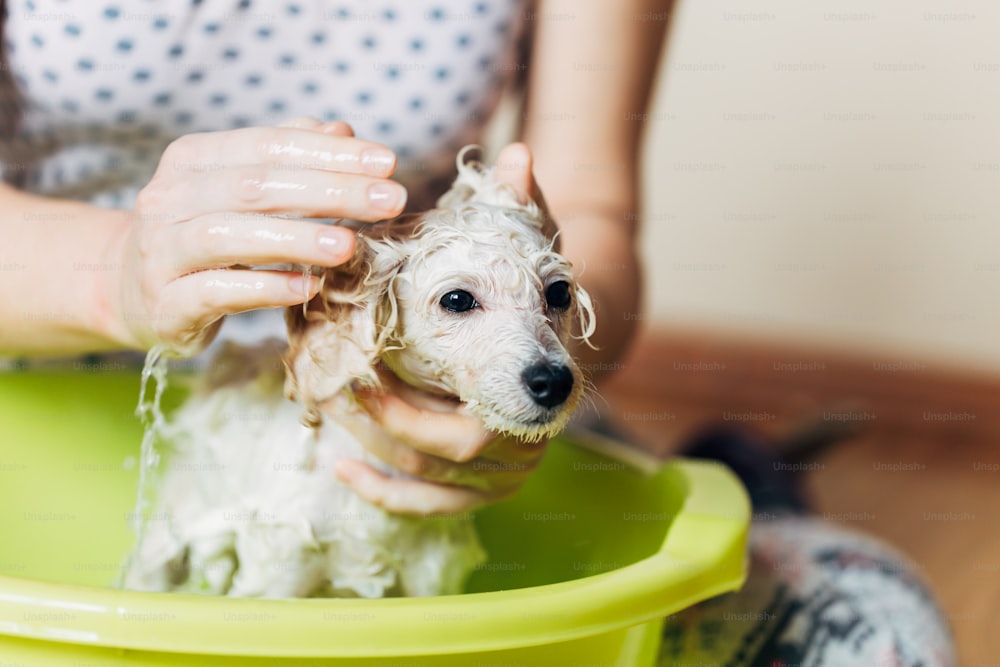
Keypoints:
pixel 109 84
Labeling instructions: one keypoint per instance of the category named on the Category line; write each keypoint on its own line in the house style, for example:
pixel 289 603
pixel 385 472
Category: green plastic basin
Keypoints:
pixel 584 562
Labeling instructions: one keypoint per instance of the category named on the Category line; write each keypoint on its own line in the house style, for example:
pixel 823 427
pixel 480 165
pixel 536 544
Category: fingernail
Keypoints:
pixel 378 160
pixel 337 128
pixel 386 195
pixel 334 242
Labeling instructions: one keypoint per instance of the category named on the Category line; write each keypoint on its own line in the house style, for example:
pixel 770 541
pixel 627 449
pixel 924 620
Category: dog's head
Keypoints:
pixel 468 300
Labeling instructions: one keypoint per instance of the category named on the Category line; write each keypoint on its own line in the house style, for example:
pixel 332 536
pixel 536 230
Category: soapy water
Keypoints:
pixel 150 413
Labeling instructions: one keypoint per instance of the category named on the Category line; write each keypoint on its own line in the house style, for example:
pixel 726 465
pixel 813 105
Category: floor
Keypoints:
pixel 915 460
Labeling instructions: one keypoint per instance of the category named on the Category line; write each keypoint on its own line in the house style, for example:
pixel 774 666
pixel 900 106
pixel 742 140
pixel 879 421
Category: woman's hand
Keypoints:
pixel 221 202
pixel 457 463
pixel 460 465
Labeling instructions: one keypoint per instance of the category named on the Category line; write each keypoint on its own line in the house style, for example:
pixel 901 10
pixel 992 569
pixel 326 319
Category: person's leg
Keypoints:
pixel 818 594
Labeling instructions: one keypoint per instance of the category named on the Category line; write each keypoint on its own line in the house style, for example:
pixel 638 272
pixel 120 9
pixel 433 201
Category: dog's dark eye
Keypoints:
pixel 458 301
pixel 557 295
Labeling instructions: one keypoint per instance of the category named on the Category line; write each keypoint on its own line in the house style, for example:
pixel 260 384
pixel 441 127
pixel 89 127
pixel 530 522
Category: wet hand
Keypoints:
pixel 455 464
pixel 221 202
pixel 458 465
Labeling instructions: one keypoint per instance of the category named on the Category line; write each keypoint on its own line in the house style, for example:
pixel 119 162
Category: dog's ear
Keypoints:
pixel 336 339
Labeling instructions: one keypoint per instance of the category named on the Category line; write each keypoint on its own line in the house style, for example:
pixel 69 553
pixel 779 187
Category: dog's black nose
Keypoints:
pixel 548 385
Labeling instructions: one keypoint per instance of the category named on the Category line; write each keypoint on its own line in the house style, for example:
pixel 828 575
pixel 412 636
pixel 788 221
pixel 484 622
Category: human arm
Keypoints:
pixel 591 79
pixel 84 279
pixel 56 270
pixel 589 83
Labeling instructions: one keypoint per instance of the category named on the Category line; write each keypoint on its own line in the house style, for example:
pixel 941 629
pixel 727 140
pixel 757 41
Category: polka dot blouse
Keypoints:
pixel 107 84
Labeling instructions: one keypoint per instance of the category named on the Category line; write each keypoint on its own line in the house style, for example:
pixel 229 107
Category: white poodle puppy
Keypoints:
pixel 469 300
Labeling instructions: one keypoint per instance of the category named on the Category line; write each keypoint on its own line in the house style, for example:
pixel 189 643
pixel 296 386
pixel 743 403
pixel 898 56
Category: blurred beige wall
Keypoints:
pixel 830 172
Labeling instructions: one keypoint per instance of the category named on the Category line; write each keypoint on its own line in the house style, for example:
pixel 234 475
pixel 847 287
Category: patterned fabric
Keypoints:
pixel 109 84
pixel 818 595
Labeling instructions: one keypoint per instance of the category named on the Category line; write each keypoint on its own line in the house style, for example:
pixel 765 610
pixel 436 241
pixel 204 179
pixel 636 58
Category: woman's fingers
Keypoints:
pixel 298 147
pixel 452 436
pixel 302 122
pixel 304 168
pixel 455 436
pixel 515 166
pixel 334 127
pixel 458 462
pixel 504 468
pixel 202 212
pixel 337 128
pixel 404 496
pixel 483 474
pixel 440 428
pixel 196 300
pixel 222 240
pixel 267 189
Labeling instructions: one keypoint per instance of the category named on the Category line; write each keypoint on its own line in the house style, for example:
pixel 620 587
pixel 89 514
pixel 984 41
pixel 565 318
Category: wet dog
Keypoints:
pixel 469 300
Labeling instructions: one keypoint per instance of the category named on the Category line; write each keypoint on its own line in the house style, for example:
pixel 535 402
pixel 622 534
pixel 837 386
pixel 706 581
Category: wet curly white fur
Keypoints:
pixel 251 506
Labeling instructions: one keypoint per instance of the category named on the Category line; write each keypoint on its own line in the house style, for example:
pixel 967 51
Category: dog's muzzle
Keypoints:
pixel 548 385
